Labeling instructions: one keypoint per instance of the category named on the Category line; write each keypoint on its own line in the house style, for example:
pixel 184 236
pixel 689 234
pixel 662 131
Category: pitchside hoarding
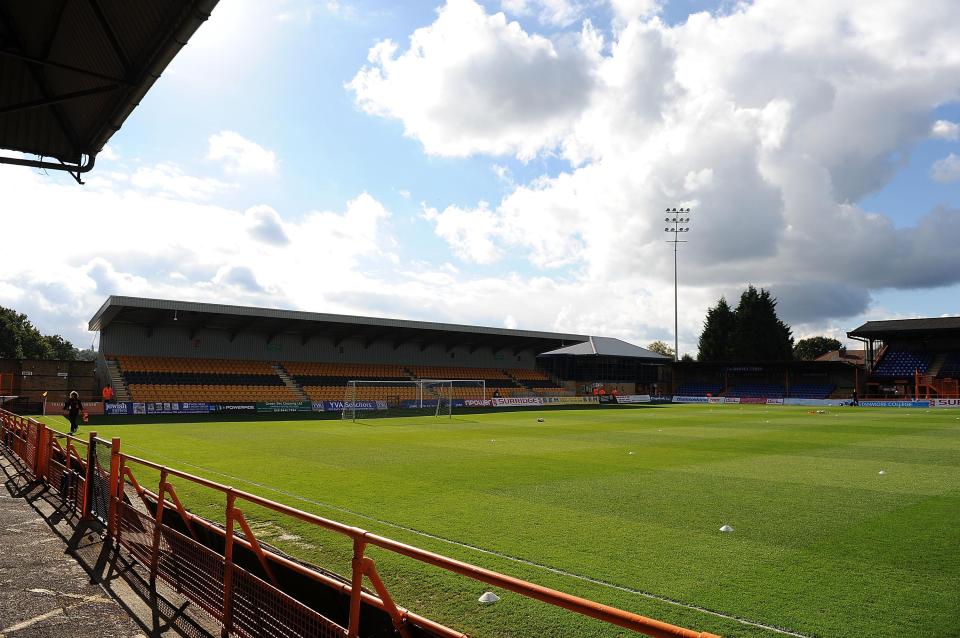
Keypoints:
pixel 633 398
pixel 945 403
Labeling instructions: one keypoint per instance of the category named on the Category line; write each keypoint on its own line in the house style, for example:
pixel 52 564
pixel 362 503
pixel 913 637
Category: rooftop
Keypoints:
pixel 909 328
pixel 610 347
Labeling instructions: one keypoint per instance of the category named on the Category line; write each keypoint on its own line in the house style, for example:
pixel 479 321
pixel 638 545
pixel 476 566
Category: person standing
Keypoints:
pixel 72 408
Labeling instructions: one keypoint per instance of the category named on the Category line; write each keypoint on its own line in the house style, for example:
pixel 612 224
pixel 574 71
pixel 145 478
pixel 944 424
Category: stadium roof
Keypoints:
pixel 72 71
pixel 152 313
pixel 908 328
pixel 608 347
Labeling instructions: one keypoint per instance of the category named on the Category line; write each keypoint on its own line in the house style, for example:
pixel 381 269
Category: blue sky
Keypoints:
pixel 505 163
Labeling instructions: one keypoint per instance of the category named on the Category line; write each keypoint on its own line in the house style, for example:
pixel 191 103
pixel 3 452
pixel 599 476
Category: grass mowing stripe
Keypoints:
pixel 489 552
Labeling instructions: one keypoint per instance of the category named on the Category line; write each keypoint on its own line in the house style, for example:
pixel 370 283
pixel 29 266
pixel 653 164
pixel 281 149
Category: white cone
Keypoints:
pixel 726 528
pixel 882 472
pixel 489 598
pixel 539 420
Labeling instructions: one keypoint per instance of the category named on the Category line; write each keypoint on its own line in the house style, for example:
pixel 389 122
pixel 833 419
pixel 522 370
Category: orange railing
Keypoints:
pixel 248 597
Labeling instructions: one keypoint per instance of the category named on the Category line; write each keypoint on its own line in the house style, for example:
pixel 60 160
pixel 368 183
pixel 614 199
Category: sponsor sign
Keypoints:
pixel 338 406
pixel 411 404
pixel 62 375
pixel 895 404
pixel 753 400
pixel 774 401
pixel 237 407
pixel 284 406
pixel 27 373
pixel 716 400
pixel 945 403
pixel 138 408
pixel 731 399
pixel 820 403
pixel 317 406
pixel 683 399
pixel 633 398
pixel 476 403
pixel 117 408
pixel 176 407
pixel 516 401
pixel 570 400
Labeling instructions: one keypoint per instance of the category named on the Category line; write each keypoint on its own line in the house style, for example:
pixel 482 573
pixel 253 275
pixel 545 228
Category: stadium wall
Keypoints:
pixel 163 341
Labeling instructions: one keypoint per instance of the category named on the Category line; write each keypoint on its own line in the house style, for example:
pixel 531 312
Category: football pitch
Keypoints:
pixel 622 506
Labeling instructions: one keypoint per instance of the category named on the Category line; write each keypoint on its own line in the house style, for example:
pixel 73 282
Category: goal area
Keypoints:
pixel 368 399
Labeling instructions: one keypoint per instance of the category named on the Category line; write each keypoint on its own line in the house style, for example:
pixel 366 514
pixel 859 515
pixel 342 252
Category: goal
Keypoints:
pixel 366 399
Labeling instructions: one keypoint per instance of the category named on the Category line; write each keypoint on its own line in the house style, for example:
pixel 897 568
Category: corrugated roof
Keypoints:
pixel 905 327
pixel 609 347
pixel 72 71
pixel 274 321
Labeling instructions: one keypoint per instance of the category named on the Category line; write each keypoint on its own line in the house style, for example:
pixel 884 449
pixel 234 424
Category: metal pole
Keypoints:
pixel 676 323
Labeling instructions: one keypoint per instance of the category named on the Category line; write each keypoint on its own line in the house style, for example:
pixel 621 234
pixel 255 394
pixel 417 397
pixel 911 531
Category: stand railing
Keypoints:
pixel 198 557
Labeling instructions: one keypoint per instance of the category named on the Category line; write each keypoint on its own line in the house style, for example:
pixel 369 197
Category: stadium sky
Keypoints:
pixel 507 163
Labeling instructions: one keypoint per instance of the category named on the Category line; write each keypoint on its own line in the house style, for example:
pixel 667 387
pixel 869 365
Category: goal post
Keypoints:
pixel 368 399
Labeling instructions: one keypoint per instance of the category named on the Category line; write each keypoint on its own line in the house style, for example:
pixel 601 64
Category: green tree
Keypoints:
pixel 660 348
pixel 686 357
pixel 812 347
pixel 758 333
pixel 715 340
pixel 87 355
pixel 61 348
pixel 19 339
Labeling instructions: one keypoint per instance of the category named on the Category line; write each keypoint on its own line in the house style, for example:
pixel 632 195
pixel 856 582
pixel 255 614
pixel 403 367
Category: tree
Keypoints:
pixel 661 348
pixel 61 348
pixel 812 347
pixel 686 357
pixel 19 339
pixel 715 340
pixel 758 334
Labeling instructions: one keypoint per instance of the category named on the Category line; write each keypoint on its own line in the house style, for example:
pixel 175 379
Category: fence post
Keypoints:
pixel 356 587
pixel 228 568
pixel 115 492
pixel 39 467
pixel 88 478
pixel 158 522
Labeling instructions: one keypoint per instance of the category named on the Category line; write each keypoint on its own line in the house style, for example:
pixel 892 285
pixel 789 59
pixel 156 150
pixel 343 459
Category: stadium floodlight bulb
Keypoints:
pixel 666 219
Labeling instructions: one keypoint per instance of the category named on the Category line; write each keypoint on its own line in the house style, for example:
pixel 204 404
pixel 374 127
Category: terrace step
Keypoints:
pixel 120 390
pixel 937 364
pixel 289 381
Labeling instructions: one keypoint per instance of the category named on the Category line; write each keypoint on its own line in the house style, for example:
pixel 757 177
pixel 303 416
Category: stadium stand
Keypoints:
pixel 902 363
pixel 758 390
pixel 213 380
pixel 951 367
pixel 538 381
pixel 811 390
pixel 698 389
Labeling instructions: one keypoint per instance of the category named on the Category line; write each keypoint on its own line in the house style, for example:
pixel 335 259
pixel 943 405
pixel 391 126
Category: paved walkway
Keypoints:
pixel 47 563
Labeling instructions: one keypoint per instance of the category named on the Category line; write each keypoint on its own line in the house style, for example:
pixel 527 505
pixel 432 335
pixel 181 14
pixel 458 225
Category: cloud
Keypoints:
pixel 169 179
pixel 770 121
pixel 945 130
pixel 947 169
pixel 550 12
pixel 267 226
pixel 475 83
pixel 239 155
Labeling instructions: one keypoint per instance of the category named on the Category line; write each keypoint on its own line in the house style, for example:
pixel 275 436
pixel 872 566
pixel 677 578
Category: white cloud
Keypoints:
pixel 945 130
pixel 239 155
pixel 627 10
pixel 475 83
pixel 551 12
pixel 767 121
pixel 170 179
pixel 946 169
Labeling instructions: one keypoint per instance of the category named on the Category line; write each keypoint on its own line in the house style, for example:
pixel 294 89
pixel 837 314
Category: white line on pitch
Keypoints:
pixel 515 559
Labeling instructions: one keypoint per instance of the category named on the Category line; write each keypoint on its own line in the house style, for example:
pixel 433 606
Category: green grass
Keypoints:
pixel 824 545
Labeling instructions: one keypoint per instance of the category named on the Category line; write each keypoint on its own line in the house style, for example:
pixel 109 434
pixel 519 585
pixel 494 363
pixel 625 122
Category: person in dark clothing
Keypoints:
pixel 72 407
pixel 854 400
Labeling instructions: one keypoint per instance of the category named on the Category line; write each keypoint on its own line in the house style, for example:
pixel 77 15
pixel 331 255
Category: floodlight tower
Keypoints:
pixel 677 221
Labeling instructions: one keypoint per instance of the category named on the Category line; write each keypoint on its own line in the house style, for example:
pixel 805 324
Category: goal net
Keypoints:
pixel 364 399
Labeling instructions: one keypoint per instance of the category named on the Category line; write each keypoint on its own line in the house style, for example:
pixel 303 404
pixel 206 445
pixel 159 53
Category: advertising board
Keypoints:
pixel 476 403
pixel 569 400
pixel 337 406
pixel 731 399
pixel 753 400
pixel 895 404
pixel 945 403
pixel 505 402
pixel 774 401
pixel 237 407
pixel 633 398
pixel 284 406
pixel 715 400
pixel 683 399
pixel 117 408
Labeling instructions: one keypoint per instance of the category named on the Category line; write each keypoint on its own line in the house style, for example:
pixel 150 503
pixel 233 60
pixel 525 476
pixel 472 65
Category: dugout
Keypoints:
pixel 607 362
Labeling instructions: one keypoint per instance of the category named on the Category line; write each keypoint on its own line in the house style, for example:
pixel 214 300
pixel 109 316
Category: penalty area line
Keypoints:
pixel 515 559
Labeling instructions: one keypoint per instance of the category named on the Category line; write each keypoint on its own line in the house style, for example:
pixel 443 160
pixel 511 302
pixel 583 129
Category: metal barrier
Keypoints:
pixel 245 603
